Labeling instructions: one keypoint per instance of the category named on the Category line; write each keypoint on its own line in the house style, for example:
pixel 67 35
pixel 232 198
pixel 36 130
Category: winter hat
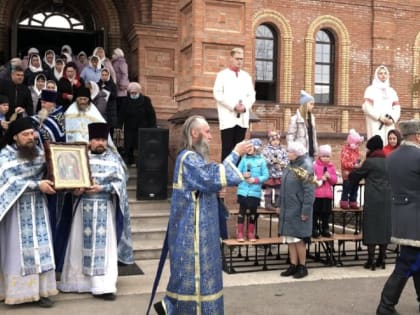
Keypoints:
pixel 409 127
pixel 4 99
pixel 134 86
pixel 375 143
pixel 324 150
pixel 297 148
pixel 305 98
pixel 257 143
pixel 274 135
pixel 354 139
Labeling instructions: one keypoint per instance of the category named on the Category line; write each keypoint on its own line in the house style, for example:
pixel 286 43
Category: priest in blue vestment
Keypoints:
pixel 27 267
pixel 100 233
pixel 195 284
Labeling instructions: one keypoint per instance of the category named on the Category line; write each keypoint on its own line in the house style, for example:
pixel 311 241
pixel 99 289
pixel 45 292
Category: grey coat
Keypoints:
pixel 296 199
pixel 404 176
pixel 377 199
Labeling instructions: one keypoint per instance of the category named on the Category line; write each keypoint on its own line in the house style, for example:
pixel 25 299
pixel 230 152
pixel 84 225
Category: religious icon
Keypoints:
pixel 68 165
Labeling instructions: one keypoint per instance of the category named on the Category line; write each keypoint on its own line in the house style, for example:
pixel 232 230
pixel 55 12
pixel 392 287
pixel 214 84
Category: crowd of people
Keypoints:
pixel 83 230
pixel 119 101
pixel 297 180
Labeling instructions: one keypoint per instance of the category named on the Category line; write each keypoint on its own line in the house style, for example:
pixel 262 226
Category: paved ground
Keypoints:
pixel 335 291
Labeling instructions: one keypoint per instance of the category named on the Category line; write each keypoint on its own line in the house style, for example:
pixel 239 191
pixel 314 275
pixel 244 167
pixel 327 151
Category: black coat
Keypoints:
pixel 64 87
pixel 377 199
pixel 404 176
pixel 111 106
pixel 138 113
pixel 19 95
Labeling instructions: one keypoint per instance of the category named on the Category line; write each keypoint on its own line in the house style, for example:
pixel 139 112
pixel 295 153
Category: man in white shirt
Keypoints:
pixel 234 92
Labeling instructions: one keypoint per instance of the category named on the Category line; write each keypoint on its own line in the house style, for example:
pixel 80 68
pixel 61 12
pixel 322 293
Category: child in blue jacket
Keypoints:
pixel 255 171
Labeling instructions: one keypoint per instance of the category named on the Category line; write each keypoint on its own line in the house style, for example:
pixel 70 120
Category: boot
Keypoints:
pixel 289 271
pixel 301 272
pixel 391 294
pixel 380 262
pixel 268 205
pixel 160 310
pixel 371 254
pixel 325 227
pixel 344 204
pixel 240 232
pixel 315 228
pixel 251 232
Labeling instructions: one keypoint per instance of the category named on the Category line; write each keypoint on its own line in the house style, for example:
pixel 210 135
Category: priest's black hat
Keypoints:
pixel 17 126
pixel 49 96
pixel 83 91
pixel 98 130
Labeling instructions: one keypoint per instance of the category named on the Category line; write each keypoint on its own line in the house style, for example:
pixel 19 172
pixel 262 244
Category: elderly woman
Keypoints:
pixel 302 125
pixel 296 203
pixel 137 113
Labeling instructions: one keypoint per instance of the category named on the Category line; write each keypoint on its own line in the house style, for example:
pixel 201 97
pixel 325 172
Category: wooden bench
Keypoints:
pixel 233 243
pixel 342 239
pixel 260 211
pixel 357 213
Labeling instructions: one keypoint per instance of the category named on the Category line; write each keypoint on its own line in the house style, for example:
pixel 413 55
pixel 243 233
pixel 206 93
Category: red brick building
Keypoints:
pixel 175 48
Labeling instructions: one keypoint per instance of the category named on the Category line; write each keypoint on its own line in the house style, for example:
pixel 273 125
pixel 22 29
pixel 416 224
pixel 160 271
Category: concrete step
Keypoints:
pixel 139 233
pixel 147 249
pixel 148 206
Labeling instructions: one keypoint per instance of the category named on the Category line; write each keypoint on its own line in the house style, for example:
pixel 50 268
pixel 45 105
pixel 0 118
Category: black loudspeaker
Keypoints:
pixel 152 164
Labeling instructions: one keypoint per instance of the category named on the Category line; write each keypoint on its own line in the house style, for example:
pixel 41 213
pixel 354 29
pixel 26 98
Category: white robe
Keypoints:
pixel 15 288
pixel 72 277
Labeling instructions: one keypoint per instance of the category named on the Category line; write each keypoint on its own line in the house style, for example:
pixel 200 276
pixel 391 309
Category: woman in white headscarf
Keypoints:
pixel 381 105
pixel 104 62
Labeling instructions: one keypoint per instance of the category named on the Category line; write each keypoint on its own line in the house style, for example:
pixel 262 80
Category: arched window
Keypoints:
pixel 54 20
pixel 266 63
pixel 324 67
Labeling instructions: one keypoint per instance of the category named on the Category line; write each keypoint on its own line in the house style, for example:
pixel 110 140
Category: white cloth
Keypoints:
pixel 15 288
pixel 380 100
pixel 228 90
pixel 72 277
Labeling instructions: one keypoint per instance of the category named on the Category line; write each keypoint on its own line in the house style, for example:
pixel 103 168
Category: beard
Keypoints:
pixel 42 115
pixel 98 150
pixel 202 148
pixel 27 151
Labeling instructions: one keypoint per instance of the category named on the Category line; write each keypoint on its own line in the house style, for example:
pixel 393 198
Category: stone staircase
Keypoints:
pixel 149 219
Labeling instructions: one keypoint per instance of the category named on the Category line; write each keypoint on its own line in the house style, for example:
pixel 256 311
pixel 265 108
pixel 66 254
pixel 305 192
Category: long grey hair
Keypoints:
pixel 190 124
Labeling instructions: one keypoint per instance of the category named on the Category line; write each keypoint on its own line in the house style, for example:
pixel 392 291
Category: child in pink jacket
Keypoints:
pixel 326 176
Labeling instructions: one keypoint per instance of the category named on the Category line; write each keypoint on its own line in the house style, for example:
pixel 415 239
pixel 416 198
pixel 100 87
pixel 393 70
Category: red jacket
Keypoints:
pixel 326 189
pixel 349 158
pixel 388 149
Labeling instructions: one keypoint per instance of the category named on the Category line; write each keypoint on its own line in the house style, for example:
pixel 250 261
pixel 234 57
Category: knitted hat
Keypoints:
pixel 354 138
pixel 98 130
pixel 134 86
pixel 305 98
pixel 257 143
pixel 297 148
pixel 375 143
pixel 49 96
pixel 4 99
pixel 324 150
pixel 409 127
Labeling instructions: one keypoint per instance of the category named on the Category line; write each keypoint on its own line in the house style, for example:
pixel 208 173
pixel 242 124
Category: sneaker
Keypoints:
pixel 45 302
pixel 301 272
pixel 315 234
pixel 289 272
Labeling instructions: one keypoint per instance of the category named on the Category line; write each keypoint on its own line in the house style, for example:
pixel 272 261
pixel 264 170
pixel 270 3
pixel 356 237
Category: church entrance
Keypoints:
pixel 50 38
